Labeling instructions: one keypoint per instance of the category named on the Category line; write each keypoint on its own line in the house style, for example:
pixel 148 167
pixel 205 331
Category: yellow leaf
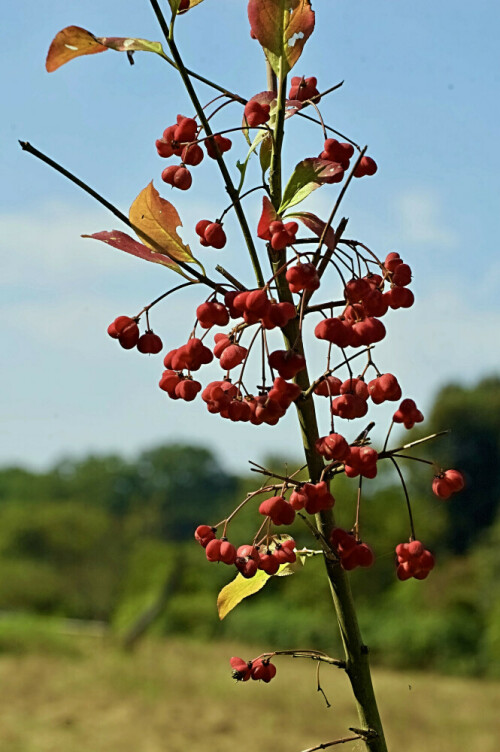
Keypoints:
pixel 155 221
pixel 238 589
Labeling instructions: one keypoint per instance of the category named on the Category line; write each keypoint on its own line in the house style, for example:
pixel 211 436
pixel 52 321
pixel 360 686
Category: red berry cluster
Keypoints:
pixel 447 483
pixel 180 140
pixel 261 669
pixel 341 153
pixel 351 551
pixel 126 331
pixel 225 399
pixel 248 558
pixel 176 137
pixel 413 561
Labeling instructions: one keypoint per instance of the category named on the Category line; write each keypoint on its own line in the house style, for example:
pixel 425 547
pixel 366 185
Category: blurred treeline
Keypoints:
pixel 110 539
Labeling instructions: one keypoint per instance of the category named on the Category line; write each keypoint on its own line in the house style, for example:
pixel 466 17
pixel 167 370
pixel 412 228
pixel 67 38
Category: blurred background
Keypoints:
pixel 109 635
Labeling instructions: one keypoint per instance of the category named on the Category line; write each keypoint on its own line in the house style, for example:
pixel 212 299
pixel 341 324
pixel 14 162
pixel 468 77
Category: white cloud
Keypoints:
pixel 419 211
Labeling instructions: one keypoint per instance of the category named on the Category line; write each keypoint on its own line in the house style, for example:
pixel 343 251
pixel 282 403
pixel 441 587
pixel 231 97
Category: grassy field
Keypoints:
pixel 179 695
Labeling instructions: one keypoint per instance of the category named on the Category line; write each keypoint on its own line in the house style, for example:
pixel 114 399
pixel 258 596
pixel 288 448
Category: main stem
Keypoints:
pixel 356 652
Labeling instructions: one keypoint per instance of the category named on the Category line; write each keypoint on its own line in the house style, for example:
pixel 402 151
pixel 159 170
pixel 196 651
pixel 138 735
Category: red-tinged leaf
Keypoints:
pixel 292 106
pixel 268 215
pixel 306 177
pixel 74 41
pixel 69 43
pixel 316 225
pixel 155 221
pixel 124 242
pixel 282 27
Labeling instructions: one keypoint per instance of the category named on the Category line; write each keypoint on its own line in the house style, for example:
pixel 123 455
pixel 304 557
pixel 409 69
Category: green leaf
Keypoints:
pixel 306 177
pixel 242 166
pixel 282 27
pixel 238 589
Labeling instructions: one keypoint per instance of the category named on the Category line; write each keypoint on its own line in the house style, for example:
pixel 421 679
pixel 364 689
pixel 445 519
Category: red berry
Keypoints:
pixel 447 483
pixel 263 670
pixel 204 534
pixel 215 235
pixel 192 155
pixel 333 447
pixel 287 362
pixel 187 389
pixel 384 387
pixel 178 177
pixel 408 414
pixel 125 330
pixel 256 113
pixel 366 166
pixel 302 277
pixel 278 509
pixel 149 343
pixel 303 88
pixel 328 387
pixel 224 144
pixel 241 669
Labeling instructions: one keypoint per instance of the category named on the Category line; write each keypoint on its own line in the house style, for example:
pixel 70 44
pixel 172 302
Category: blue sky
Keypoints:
pixel 422 88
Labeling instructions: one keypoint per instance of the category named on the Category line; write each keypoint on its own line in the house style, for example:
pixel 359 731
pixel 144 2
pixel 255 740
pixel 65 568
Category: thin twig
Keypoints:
pixel 325 745
pixel 229 277
pixel 25 146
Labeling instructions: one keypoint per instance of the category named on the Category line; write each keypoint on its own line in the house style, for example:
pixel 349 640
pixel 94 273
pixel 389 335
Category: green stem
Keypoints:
pixel 356 653
pixel 231 189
